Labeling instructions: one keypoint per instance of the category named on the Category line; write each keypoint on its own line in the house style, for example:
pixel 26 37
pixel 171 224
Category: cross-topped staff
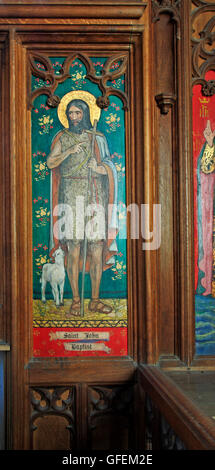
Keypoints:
pixel 93 132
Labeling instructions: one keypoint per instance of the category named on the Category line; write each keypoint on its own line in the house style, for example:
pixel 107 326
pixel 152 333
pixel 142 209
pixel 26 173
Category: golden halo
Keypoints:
pixel 95 111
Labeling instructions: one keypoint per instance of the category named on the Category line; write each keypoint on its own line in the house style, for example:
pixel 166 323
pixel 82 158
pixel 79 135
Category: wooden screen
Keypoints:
pixel 75 360
pixel 126 67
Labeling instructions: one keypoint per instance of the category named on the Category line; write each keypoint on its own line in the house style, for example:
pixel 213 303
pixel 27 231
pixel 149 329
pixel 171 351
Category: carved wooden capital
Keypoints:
pixel 172 7
pixel 165 102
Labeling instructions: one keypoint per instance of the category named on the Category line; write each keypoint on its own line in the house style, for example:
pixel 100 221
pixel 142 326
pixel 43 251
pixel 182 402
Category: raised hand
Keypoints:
pixel 77 148
pixel 209 134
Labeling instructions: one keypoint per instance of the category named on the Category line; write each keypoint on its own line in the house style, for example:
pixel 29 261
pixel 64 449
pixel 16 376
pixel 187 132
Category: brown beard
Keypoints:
pixel 76 129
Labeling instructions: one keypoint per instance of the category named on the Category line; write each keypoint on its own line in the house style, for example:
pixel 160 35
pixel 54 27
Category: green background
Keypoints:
pixel 114 282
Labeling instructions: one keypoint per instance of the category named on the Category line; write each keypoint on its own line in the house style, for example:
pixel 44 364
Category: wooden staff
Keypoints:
pixel 93 133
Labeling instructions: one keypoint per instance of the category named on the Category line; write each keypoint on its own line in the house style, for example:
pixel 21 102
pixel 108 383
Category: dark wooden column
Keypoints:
pixel 165 39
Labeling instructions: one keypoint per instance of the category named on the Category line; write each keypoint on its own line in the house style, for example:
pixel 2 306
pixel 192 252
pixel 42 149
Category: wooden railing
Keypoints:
pixel 172 421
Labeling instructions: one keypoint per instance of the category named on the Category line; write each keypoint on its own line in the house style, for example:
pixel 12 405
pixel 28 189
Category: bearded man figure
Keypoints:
pixel 72 155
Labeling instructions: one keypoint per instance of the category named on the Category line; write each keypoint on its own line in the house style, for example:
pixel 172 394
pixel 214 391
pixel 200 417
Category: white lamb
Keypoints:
pixel 55 274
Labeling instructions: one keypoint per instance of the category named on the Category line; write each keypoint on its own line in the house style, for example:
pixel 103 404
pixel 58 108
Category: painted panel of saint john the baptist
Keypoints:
pixel 79 218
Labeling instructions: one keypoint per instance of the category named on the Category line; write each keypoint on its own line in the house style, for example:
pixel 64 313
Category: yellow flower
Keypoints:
pixel 42 166
pixel 41 260
pixel 42 212
pixel 118 265
pixel 113 118
pixel 118 166
pixel 45 120
pixel 78 76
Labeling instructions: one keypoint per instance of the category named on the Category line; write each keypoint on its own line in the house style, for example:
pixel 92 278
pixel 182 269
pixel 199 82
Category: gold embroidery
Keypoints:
pixel 208 160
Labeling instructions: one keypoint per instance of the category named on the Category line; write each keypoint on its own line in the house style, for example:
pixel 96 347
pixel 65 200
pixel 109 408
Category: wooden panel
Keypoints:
pixel 53 418
pixel 51 434
pixel 48 373
pixel 88 370
pixel 110 417
pixel 158 433
pixel 135 187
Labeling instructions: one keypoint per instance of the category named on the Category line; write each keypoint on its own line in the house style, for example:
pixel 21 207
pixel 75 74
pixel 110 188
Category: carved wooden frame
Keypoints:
pixel 125 9
pixel 136 40
pixel 43 373
pixel 49 75
pixel 199 51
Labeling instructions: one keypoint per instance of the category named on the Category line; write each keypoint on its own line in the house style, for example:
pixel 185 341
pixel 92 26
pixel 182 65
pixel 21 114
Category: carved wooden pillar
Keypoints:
pixel 4 196
pixel 166 33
